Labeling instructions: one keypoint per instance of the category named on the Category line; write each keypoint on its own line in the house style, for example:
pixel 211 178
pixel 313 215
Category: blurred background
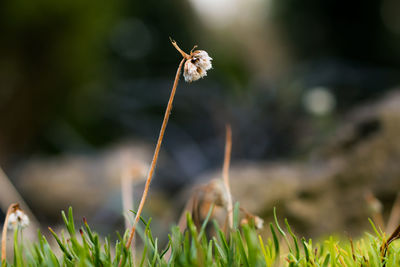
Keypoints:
pixel 308 86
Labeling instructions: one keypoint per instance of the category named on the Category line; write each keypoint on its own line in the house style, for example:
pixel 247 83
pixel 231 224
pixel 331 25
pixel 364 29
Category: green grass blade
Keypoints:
pixel 294 240
pixel 275 239
pixel 60 244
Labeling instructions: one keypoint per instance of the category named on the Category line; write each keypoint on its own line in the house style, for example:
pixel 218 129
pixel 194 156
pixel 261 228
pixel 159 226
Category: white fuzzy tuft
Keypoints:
pixel 197 65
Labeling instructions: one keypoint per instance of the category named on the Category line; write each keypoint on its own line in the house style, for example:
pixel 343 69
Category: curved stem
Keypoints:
pixel 155 156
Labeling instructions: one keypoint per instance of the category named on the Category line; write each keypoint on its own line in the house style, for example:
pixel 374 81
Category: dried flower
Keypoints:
pixel 18 219
pixel 197 65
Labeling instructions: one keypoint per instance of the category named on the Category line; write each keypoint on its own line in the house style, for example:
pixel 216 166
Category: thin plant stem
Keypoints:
pixel 156 152
pixel 225 172
pixel 10 210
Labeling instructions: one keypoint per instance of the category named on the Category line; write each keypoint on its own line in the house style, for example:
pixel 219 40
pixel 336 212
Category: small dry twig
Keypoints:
pixel 156 153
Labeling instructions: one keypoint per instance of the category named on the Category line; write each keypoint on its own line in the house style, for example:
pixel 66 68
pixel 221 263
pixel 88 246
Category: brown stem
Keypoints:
pixel 10 210
pixel 186 56
pixel 225 171
pixel 155 156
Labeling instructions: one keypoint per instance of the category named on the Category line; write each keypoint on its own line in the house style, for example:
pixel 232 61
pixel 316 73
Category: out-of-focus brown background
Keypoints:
pixel 309 87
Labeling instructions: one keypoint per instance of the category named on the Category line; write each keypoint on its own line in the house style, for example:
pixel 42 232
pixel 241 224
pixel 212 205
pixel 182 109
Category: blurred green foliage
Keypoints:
pixel 242 246
pixel 49 50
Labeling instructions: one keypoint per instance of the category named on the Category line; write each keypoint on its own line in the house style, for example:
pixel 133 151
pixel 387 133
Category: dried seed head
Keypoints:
pixel 18 219
pixel 197 65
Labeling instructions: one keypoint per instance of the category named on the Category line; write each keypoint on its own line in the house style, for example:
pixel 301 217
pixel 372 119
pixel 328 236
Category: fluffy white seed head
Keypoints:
pixel 18 219
pixel 197 65
pixel 204 60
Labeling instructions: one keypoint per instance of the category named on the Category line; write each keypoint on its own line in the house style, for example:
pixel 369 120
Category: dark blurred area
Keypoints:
pixel 77 77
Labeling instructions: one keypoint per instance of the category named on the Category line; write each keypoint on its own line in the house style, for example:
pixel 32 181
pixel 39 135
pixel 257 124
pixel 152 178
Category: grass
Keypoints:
pixel 242 246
